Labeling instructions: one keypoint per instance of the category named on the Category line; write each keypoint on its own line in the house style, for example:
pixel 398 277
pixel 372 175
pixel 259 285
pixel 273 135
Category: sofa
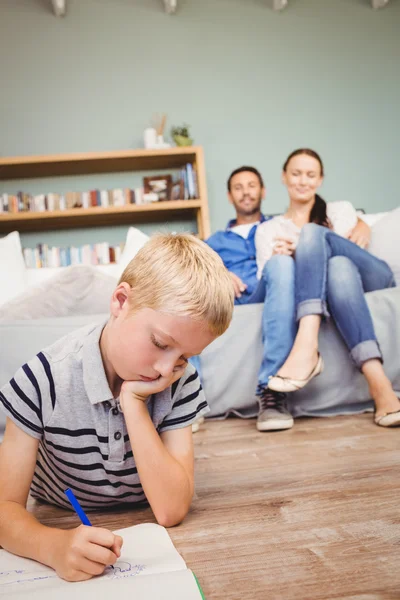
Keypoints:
pixel 62 300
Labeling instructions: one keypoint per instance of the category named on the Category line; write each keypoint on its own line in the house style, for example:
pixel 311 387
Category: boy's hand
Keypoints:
pixel 141 390
pixel 84 552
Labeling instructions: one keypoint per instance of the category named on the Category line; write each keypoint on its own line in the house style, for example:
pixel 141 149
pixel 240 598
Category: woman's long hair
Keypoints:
pixel 318 212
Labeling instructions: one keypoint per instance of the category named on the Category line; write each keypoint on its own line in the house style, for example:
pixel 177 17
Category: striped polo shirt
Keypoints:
pixel 62 398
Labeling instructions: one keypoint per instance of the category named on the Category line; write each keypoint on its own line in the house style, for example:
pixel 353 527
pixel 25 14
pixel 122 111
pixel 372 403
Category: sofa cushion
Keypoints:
pixel 385 242
pixel 12 267
pixel 77 290
pixel 21 340
pixel 229 366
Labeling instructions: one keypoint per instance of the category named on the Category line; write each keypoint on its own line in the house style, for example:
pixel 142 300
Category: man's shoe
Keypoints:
pixel 273 412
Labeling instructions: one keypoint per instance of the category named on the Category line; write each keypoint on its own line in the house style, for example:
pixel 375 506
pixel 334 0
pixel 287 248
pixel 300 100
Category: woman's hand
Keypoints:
pixel 283 245
pixel 361 234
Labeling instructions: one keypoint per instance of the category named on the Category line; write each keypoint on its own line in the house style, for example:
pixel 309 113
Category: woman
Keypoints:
pixel 319 238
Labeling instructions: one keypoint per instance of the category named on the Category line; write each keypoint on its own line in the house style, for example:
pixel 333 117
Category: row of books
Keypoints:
pixel 44 256
pixel 188 175
pixel 23 202
pixel 184 188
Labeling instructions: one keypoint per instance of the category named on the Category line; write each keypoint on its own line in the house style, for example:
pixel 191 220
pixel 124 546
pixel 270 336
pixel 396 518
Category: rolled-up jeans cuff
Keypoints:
pixel 312 307
pixel 365 351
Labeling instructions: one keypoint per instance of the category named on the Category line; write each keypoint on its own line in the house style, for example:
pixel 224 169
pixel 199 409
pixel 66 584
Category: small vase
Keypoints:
pixel 150 137
pixel 180 140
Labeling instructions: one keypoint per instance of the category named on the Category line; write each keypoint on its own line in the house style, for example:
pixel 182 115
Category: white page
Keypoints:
pixel 149 566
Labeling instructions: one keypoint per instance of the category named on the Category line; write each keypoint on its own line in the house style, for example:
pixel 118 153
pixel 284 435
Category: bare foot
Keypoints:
pixel 299 365
pixel 385 400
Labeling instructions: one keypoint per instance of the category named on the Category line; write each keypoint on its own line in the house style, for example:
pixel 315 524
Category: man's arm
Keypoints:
pixel 238 285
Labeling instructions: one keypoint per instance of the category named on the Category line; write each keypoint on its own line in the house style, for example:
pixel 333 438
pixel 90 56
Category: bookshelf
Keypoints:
pixel 29 167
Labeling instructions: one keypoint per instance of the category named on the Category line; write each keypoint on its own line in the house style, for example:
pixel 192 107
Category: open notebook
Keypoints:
pixel 149 567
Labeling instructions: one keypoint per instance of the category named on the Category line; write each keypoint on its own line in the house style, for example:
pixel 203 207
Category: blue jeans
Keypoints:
pixel 333 272
pixel 277 290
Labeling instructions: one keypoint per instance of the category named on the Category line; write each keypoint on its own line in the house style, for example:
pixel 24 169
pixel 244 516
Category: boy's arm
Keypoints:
pixel 76 554
pixel 165 462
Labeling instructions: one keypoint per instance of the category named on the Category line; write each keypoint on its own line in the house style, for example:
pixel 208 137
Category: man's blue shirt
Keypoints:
pixel 238 254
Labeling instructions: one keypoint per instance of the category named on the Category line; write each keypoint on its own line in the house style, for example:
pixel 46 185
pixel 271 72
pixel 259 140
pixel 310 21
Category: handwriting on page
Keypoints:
pixel 21 576
pixel 121 570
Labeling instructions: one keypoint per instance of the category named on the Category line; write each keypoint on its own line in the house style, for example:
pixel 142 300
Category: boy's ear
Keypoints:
pixel 119 298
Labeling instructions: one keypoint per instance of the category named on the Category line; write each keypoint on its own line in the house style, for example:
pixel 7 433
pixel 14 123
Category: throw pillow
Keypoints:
pixel 77 290
pixel 12 267
pixel 385 242
pixel 135 239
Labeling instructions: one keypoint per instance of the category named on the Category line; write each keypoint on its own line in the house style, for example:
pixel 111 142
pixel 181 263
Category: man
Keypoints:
pixel 276 288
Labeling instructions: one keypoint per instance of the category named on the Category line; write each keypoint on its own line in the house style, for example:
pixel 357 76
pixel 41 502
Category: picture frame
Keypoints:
pixel 159 185
pixel 177 190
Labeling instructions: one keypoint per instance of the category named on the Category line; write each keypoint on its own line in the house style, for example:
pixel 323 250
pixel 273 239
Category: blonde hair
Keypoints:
pixel 181 275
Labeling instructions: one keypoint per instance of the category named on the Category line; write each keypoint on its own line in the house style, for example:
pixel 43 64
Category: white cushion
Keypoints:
pixel 385 241
pixel 135 239
pixel 372 218
pixel 12 267
pixel 76 290
pixel 37 276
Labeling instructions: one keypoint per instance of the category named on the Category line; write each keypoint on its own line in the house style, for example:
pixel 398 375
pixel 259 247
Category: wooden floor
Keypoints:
pixel 308 514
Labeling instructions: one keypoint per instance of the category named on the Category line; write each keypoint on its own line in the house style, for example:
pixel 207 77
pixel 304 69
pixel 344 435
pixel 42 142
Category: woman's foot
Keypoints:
pixel 299 364
pixel 387 406
pixel 196 425
pixel 289 383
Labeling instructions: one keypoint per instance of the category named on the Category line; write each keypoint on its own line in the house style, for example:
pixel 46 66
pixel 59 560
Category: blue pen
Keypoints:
pixel 77 507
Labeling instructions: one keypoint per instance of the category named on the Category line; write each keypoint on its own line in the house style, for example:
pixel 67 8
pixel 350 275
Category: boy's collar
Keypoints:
pixel 94 375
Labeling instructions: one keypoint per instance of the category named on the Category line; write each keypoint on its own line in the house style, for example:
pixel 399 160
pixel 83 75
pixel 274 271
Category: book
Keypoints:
pixel 149 568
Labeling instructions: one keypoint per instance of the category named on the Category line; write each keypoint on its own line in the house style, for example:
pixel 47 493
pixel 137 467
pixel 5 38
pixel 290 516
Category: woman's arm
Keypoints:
pixel 264 242
pixel 346 223
pixel 361 234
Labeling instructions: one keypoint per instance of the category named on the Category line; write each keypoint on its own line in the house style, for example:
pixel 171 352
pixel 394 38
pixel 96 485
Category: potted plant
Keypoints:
pixel 181 135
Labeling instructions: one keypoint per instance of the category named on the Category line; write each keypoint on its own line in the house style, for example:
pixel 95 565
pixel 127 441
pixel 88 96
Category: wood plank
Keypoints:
pixel 54 165
pixel 306 514
pixel 95 216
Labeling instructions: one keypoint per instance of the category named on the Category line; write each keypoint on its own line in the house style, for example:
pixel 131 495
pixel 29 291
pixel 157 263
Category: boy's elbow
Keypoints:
pixel 170 518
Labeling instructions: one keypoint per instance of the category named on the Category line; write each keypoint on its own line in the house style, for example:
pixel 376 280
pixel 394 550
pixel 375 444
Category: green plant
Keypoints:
pixel 182 131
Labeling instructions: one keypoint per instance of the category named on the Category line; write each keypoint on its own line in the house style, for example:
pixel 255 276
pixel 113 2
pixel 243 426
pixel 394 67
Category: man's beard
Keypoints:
pixel 248 212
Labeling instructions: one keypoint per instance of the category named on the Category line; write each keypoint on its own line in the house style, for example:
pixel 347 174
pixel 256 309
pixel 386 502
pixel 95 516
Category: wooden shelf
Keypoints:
pixel 55 165
pixel 61 165
pixel 91 217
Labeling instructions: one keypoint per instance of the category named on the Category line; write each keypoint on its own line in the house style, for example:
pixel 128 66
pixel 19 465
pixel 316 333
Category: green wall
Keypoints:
pixel 252 83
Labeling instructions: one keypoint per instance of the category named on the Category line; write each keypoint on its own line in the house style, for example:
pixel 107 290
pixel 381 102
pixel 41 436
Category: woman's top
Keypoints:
pixel 342 217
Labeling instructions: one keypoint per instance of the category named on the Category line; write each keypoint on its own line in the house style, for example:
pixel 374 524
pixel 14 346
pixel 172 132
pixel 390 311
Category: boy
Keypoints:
pixel 107 410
